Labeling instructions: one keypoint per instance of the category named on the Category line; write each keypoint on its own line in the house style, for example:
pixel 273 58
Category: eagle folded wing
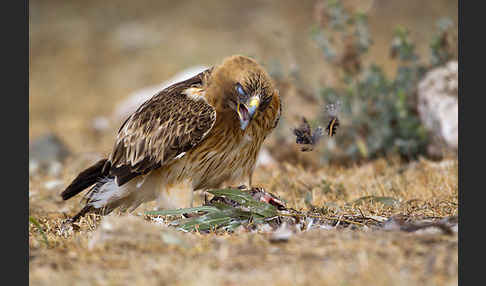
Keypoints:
pixel 164 127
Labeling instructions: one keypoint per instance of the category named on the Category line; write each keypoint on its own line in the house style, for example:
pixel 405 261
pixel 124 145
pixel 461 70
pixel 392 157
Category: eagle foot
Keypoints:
pixel 257 193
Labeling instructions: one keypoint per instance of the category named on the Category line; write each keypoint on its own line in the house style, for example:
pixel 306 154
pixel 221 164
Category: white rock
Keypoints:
pixel 33 167
pixel 136 98
pixel 53 184
pixel 55 169
pixel 438 103
pixel 100 123
pixel 46 149
pixel 282 234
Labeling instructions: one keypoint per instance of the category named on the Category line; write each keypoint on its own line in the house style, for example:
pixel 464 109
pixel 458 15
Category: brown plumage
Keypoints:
pixel 200 133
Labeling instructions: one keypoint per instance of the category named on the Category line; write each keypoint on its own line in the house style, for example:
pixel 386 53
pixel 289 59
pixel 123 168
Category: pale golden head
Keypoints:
pixel 246 88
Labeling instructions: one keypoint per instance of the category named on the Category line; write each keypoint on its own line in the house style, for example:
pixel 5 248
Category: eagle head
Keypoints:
pixel 243 87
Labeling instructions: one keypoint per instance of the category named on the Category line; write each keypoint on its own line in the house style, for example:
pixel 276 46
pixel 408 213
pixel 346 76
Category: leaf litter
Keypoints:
pixel 254 209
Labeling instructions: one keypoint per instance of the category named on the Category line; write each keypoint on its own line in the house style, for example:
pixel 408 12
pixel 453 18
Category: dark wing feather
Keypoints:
pixel 303 133
pixel 162 128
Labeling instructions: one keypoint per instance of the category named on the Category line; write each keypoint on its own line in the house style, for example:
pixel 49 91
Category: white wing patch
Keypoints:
pixel 180 155
pixel 195 93
pixel 109 192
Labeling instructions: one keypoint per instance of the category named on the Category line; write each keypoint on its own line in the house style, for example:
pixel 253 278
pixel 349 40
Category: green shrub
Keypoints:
pixel 377 113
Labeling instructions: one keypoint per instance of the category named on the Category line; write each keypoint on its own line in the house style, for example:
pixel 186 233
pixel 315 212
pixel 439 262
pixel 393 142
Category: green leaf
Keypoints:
pixel 183 211
pixel 220 215
pixel 38 226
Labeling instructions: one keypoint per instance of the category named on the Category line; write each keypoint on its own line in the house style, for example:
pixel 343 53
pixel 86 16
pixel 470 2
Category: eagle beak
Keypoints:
pixel 246 111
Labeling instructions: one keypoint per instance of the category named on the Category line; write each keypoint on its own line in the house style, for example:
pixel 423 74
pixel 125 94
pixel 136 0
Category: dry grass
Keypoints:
pixel 131 250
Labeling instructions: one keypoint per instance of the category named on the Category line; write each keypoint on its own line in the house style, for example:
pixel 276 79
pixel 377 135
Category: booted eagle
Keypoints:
pixel 197 134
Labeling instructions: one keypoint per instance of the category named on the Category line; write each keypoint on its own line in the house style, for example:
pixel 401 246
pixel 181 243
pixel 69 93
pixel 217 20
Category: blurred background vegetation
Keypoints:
pixel 380 114
pixel 88 56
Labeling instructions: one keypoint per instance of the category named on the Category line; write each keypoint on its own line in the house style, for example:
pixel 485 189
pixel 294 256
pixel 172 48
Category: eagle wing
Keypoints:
pixel 163 128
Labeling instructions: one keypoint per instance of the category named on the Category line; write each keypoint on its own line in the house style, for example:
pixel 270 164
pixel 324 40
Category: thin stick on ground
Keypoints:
pixel 323 217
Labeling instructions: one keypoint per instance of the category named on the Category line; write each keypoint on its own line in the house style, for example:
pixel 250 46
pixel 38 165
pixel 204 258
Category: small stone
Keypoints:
pixel 100 123
pixel 55 169
pixel 46 153
pixel 282 234
pixel 54 184
pixel 48 148
pixel 34 167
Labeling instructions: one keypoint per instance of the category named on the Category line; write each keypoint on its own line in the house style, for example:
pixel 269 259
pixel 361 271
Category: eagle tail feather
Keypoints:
pixel 85 179
pixel 101 198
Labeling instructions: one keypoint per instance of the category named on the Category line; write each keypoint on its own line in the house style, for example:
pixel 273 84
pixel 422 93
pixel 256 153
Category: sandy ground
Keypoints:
pixel 128 249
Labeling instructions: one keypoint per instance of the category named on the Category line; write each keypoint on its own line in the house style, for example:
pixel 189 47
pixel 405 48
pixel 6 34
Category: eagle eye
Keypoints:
pixel 241 93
